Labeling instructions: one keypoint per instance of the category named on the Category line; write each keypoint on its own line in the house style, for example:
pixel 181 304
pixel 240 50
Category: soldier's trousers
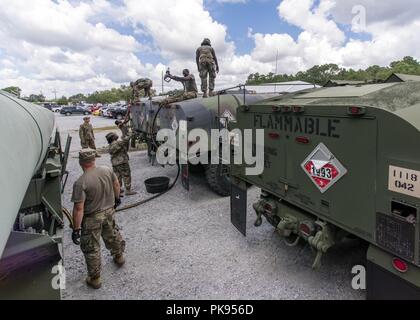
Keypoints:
pixel 94 227
pixel 89 144
pixel 179 98
pixel 123 173
pixel 207 70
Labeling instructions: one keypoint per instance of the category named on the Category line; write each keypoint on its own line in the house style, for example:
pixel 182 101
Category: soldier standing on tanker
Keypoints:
pixel 96 195
pixel 190 88
pixel 120 161
pixel 207 65
pixel 87 137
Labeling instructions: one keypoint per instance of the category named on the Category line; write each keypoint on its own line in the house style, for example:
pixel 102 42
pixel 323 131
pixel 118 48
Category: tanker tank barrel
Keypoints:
pixel 26 135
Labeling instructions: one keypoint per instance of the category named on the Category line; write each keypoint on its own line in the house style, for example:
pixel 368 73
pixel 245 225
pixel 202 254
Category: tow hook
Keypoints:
pixel 321 242
pixel 287 226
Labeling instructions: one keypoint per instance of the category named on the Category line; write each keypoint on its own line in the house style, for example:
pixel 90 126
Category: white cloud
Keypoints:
pixel 70 45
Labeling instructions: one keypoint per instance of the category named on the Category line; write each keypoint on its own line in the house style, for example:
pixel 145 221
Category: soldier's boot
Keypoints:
pixel 211 93
pixel 130 193
pixel 205 95
pixel 98 155
pixel 94 283
pixel 119 260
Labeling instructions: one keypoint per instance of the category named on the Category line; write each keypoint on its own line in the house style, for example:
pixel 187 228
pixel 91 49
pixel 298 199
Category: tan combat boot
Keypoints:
pixel 119 260
pixel 130 193
pixel 94 283
pixel 211 93
pixel 205 95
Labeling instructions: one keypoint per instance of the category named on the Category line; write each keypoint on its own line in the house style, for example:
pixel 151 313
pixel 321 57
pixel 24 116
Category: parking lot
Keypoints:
pixel 183 246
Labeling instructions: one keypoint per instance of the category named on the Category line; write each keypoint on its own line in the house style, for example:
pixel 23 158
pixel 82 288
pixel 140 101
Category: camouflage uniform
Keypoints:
pixel 207 66
pixel 94 227
pixel 98 219
pixel 87 137
pixel 142 84
pixel 120 161
pixel 190 90
pixel 124 130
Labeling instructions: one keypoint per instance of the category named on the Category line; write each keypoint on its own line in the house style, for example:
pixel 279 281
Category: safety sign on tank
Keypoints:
pixel 323 168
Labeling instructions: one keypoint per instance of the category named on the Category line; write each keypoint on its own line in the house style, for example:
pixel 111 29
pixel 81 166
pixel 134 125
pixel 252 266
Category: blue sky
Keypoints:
pixel 260 15
pixel 86 45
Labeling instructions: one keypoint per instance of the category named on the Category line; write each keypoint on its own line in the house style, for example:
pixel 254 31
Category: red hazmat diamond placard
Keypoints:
pixel 323 168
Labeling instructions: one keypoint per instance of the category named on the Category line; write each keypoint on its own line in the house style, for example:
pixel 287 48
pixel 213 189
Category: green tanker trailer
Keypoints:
pixel 207 114
pixel 31 171
pixel 341 162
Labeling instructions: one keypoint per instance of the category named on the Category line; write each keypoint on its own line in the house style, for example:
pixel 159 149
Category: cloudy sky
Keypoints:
pixel 81 46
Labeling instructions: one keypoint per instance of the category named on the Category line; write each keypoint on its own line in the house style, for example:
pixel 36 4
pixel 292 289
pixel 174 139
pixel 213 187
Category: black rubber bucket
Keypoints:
pixel 157 185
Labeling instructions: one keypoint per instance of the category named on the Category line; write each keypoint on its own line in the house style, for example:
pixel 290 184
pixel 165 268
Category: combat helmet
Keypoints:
pixel 110 137
pixel 206 42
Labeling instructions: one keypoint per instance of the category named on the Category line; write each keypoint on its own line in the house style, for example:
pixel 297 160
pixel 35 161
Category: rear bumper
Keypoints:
pixel 385 283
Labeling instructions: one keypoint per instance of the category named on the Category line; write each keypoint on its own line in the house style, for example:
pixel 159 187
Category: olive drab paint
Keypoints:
pixel 341 161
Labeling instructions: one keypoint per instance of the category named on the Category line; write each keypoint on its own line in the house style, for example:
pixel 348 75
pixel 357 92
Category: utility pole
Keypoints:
pixel 55 95
pixel 277 69
pixel 162 84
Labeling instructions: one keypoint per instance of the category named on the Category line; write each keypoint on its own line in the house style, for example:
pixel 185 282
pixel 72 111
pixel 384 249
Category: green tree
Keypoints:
pixel 13 90
pixel 63 101
pixel 320 74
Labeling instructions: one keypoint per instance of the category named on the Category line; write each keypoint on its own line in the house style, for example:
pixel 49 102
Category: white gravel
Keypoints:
pixel 183 246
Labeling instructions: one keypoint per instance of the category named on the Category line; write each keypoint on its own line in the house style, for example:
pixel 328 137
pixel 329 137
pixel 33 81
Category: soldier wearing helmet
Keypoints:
pixel 120 160
pixel 208 66
pixel 190 88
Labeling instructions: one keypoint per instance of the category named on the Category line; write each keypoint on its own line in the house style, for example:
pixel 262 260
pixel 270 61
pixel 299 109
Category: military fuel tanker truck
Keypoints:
pixel 32 166
pixel 210 113
pixel 341 162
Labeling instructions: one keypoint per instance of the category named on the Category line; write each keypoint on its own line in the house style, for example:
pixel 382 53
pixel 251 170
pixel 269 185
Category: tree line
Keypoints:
pixel 123 93
pixel 320 74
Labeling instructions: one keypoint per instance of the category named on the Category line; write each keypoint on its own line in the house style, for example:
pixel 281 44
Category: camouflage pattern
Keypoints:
pixel 87 155
pixel 94 227
pixel 123 173
pixel 179 97
pixel 207 65
pixel 124 130
pixel 120 161
pixel 139 85
pixel 190 90
pixel 87 137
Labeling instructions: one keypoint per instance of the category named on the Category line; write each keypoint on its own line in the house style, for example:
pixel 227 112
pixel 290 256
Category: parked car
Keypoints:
pixel 109 112
pixel 103 110
pixel 68 111
pixel 119 113
pixel 56 109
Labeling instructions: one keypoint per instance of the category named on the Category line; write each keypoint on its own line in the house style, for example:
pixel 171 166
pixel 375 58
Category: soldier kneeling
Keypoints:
pixel 120 160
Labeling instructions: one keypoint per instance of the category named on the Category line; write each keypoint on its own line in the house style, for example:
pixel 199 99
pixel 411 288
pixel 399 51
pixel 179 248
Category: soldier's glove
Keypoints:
pixel 117 203
pixel 76 237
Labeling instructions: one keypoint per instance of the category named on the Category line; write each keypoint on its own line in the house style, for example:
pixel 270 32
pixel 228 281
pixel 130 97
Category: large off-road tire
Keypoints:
pixel 218 179
pixel 196 169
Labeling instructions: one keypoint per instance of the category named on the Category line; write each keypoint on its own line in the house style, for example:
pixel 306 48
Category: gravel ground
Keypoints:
pixel 183 246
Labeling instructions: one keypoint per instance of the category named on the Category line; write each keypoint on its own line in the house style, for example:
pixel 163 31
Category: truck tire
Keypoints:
pixel 217 180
